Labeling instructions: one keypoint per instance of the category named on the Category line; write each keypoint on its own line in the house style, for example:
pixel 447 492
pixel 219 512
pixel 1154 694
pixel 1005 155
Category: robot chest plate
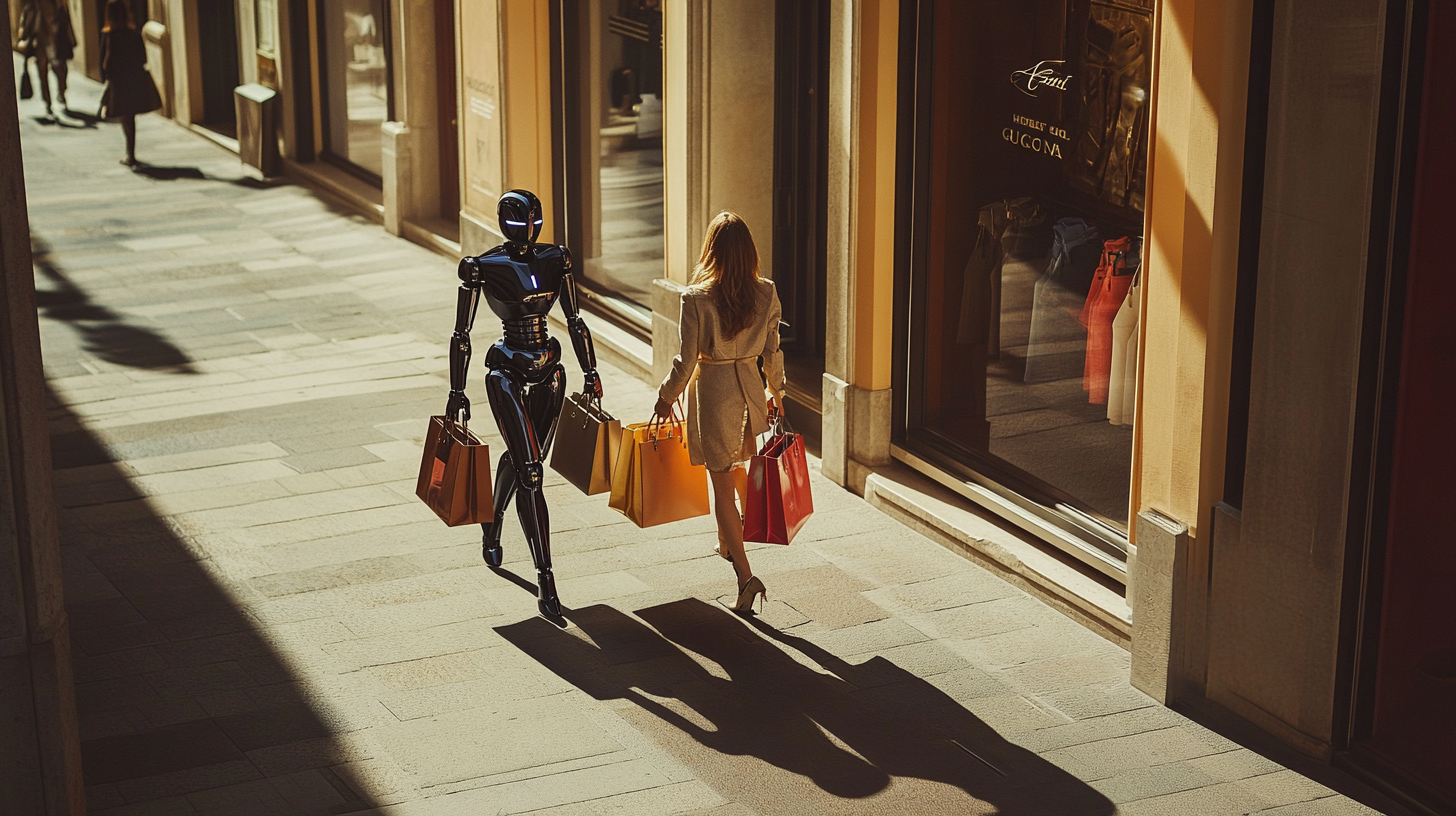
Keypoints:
pixel 515 290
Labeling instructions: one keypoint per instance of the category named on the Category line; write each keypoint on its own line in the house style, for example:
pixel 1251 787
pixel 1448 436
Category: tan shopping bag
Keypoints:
pixel 455 474
pixel 587 440
pixel 654 481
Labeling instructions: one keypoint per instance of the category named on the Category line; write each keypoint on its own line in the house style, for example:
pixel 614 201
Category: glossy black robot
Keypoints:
pixel 521 281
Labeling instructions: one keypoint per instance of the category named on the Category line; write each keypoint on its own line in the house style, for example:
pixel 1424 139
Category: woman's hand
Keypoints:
pixel 663 408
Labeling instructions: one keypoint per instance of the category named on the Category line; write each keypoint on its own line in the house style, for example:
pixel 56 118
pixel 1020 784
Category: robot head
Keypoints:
pixel 520 216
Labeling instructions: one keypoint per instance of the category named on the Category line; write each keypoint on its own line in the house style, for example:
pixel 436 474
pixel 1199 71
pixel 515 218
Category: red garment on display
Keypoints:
pixel 1108 291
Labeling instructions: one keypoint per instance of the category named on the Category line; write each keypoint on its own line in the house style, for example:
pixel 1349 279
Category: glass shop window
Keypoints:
pixel 1025 281
pixel 613 117
pixel 355 63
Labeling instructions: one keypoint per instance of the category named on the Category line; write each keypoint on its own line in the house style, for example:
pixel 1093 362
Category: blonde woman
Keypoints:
pixel 730 318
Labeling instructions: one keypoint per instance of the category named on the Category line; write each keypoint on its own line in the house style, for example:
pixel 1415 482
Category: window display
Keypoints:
pixel 356 81
pixel 1025 290
pixel 616 177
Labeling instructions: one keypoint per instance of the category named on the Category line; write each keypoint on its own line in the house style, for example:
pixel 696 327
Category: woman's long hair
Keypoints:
pixel 118 15
pixel 728 270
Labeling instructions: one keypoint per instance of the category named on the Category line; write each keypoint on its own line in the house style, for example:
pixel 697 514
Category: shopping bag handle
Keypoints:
pixel 673 418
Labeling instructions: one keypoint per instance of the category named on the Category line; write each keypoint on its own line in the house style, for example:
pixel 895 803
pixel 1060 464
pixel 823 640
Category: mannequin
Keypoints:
pixel 521 281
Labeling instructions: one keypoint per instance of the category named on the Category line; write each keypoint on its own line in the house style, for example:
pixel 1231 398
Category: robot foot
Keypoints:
pixel 490 549
pixel 493 554
pixel 546 599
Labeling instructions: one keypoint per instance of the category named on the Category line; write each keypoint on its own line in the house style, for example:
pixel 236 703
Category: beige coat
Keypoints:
pixel 725 395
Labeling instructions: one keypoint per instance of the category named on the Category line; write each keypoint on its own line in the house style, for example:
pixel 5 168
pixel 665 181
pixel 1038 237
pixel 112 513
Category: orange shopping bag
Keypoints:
pixel 654 481
pixel 455 474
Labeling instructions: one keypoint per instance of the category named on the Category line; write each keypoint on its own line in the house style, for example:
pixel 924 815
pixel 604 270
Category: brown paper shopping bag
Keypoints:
pixel 455 474
pixel 587 439
pixel 654 481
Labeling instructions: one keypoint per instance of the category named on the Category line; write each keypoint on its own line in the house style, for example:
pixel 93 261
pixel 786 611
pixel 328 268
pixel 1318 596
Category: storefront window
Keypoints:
pixel 614 113
pixel 356 80
pixel 1025 281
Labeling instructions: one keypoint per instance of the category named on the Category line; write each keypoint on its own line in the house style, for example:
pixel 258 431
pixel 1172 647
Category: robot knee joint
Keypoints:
pixel 531 474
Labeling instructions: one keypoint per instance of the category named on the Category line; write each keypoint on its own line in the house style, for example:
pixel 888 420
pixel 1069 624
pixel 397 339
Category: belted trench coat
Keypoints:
pixel 727 406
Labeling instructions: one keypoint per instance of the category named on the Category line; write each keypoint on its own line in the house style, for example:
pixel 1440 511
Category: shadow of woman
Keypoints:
pixel 741 711
pixel 104 333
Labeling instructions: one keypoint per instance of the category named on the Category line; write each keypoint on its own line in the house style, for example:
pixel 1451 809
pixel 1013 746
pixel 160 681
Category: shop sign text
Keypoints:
pixel 1040 75
pixel 1030 134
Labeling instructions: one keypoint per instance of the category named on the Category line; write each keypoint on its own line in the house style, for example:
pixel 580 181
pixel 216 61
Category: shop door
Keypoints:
pixel 217 48
pixel 1414 724
pixel 801 121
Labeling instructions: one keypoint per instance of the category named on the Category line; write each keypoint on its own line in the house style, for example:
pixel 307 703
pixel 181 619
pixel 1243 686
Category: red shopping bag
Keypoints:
pixel 779 501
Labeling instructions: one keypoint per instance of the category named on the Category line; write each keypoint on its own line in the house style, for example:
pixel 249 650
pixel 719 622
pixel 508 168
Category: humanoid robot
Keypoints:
pixel 521 280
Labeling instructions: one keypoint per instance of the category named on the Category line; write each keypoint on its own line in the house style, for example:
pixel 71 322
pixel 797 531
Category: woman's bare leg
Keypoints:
pixel 43 72
pixel 730 523
pixel 60 69
pixel 128 128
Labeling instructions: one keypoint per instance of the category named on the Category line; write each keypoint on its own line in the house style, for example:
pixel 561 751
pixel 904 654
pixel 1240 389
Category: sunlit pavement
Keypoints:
pixel 267 621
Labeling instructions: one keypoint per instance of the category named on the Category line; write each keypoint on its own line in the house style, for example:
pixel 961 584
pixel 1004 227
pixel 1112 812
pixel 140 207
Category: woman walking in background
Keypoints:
pixel 730 317
pixel 129 88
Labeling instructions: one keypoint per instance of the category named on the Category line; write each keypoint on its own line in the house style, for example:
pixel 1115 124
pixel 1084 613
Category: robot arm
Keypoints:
pixel 466 301
pixel 581 339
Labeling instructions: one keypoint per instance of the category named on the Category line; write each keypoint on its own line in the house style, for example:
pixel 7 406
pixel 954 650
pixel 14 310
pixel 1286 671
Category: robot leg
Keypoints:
pixel 505 490
pixel 508 402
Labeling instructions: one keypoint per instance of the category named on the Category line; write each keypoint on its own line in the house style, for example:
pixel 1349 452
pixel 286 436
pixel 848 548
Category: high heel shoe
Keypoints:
pixel 750 588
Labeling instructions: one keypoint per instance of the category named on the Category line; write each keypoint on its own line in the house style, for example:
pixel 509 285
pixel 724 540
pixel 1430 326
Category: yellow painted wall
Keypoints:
pixel 872 277
pixel 481 134
pixel 1193 205
pixel 526 96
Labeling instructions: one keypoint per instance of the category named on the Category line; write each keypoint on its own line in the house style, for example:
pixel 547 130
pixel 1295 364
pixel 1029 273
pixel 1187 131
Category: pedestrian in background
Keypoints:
pixel 39 20
pixel 730 317
pixel 63 49
pixel 129 88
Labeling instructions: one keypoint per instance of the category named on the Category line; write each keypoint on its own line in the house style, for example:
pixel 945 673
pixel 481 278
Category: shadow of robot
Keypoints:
pixel 742 705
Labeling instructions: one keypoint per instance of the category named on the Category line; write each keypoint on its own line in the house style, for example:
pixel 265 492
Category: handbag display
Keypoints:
pixel 587 441
pixel 654 481
pixel 455 474
pixel 779 499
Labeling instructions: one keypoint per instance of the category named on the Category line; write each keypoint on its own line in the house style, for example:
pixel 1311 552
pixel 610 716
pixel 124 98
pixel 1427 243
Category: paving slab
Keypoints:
pixel 265 620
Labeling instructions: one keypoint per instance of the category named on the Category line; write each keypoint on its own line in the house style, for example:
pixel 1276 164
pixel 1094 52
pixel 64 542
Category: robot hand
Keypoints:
pixel 457 407
pixel 593 386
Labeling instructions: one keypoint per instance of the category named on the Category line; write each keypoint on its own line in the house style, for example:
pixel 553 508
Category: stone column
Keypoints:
pixel 411 147
pixel 41 772
pixel 857 396
pixel 718 139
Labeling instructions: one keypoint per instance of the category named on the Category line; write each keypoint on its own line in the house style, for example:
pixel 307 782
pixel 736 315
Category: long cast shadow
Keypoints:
pixel 104 333
pixel 178 691
pixel 868 736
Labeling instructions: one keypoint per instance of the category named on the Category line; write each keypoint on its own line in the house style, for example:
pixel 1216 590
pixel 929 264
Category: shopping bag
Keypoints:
pixel 587 440
pixel 654 482
pixel 779 500
pixel 455 474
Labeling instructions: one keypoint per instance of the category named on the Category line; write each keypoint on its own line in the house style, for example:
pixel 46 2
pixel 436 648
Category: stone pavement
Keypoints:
pixel 268 622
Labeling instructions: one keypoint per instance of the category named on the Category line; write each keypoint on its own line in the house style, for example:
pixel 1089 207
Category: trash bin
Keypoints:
pixel 257 107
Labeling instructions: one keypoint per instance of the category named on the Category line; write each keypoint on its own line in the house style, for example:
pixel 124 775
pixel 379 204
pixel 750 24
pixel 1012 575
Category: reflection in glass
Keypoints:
pixel 356 77
pixel 1026 303
pixel 620 57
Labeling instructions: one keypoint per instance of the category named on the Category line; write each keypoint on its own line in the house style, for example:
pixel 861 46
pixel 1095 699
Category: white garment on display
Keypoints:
pixel 1124 329
pixel 1129 380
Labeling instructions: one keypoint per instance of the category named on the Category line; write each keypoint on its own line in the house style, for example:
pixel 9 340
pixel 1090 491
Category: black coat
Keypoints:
pixel 129 88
